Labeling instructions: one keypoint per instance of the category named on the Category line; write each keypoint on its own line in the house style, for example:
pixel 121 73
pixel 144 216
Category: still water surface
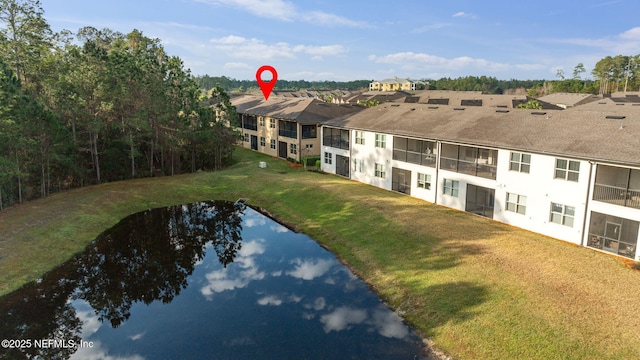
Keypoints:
pixel 211 280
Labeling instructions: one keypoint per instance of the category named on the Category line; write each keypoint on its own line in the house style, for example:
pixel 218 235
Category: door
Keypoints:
pixel 480 200
pixel 254 142
pixel 282 149
pixel 401 180
pixel 342 165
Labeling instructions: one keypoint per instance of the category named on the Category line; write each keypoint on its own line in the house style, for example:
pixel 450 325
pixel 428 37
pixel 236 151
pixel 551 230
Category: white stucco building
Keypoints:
pixel 570 174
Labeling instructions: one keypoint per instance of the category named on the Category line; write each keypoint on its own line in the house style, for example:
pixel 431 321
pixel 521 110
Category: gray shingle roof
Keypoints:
pixel 572 133
pixel 302 110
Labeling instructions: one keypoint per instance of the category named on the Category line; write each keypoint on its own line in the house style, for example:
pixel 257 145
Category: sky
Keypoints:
pixel 371 40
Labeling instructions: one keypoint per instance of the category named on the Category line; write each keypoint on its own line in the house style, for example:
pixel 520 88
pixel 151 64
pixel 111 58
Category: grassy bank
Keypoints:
pixel 477 288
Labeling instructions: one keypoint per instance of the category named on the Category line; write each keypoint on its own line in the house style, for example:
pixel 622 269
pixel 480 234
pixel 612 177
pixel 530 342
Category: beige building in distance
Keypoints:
pixel 395 84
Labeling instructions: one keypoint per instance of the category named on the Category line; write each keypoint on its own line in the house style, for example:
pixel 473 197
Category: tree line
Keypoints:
pixel 610 74
pixel 233 85
pixel 98 105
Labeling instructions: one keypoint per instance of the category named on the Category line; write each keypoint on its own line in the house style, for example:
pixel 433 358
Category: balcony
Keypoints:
pixel 617 195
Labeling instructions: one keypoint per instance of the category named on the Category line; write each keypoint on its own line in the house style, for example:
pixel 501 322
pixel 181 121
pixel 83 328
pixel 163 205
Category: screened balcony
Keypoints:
pixel 619 186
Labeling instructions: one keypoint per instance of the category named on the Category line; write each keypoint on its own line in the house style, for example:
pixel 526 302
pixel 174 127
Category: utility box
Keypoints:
pixel 262 164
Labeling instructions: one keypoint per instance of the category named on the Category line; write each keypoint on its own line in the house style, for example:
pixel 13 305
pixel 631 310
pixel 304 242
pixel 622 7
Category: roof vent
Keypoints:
pixel 615 117
pixel 602 102
pixel 432 107
pixel 459 108
pixel 395 105
pixel 538 113
pixel 471 102
pixel 620 104
pixel 502 111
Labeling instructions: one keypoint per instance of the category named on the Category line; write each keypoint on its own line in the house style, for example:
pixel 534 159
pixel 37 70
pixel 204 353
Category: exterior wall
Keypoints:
pixel 268 133
pixel 539 185
pixel 541 189
pixel 424 194
pixel 384 86
pixel 371 155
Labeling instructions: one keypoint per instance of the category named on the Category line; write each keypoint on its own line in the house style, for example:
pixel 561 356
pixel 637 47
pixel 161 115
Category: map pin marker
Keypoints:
pixel 266 87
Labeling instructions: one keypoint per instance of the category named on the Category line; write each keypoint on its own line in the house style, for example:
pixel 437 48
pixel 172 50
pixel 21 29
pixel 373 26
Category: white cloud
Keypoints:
pixel 278 228
pixel 431 27
pixel 627 42
pixel 270 300
pixel 317 305
pixel 325 50
pixel 464 14
pixel 235 278
pixel 309 270
pixel 342 318
pixel 326 19
pixel 286 11
pixel 272 9
pixel 252 247
pixel 256 49
pixel 412 61
pixel 137 336
pixel 389 324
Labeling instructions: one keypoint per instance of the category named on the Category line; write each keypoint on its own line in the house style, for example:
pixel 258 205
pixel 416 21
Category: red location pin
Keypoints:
pixel 266 87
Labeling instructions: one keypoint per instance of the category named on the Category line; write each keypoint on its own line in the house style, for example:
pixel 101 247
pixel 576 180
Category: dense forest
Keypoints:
pixel 232 85
pixel 96 106
pixel 610 74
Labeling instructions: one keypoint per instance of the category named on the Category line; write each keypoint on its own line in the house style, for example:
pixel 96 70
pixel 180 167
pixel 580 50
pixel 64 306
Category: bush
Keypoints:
pixel 310 160
pixel 318 164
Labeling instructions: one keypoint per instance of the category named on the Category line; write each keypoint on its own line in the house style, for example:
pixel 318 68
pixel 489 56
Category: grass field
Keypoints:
pixel 476 288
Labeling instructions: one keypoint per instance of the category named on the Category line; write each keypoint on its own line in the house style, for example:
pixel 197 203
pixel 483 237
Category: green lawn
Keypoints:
pixel 476 288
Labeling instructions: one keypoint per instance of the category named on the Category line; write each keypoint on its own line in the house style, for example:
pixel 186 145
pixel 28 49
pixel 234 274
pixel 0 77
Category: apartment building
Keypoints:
pixel 570 174
pixel 395 84
pixel 285 127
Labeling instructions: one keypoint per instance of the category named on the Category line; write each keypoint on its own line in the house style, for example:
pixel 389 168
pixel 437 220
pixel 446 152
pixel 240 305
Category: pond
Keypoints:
pixel 210 280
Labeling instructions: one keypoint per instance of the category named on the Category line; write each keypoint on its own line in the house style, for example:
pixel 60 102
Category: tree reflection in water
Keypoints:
pixel 146 257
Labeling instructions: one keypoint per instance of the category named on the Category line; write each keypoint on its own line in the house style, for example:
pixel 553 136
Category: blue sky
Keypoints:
pixel 349 40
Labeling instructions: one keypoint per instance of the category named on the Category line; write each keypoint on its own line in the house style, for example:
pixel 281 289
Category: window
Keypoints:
pixel 246 137
pixel 293 148
pixel 562 214
pixel 288 129
pixel 308 146
pixel 520 162
pixel 261 121
pixel 424 181
pixel 272 123
pixel 451 187
pixel 309 131
pixel 337 138
pixel 272 143
pixel 469 160
pixel 381 141
pixel 358 165
pixel 516 203
pixel 414 151
pixel 567 170
pixel 360 137
pixel 380 171
pixel 263 141
pixel 250 122
pixel 328 158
